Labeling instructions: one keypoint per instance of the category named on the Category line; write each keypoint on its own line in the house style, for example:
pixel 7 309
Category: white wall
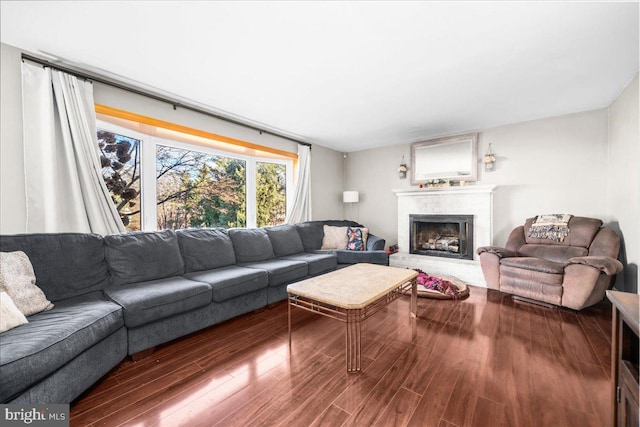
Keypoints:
pixel 12 201
pixel 327 181
pixel 552 165
pixel 623 201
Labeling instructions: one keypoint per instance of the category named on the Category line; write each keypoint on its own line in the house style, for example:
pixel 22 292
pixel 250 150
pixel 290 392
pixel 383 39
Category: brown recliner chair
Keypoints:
pixel 574 273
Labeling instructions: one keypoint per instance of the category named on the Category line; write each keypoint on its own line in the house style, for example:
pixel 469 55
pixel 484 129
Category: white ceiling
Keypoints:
pixel 351 75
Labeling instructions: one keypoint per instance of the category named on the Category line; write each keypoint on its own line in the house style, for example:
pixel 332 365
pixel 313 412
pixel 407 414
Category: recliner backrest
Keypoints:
pixel 586 237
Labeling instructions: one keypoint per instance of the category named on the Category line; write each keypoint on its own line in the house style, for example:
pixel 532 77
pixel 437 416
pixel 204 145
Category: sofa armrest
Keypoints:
pixel 607 265
pixel 497 251
pixel 355 257
pixel 375 243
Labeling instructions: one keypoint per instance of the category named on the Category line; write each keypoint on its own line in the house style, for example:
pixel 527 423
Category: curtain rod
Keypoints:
pixel 175 104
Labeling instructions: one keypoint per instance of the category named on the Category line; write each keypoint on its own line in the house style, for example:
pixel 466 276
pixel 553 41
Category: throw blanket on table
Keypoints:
pixel 550 227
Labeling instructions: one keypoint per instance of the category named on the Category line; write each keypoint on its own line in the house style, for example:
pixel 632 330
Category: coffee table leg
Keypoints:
pixel 414 298
pixel 353 341
pixel 289 321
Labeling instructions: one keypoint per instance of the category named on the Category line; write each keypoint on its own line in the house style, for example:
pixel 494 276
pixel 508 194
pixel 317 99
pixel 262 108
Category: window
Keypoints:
pixel 271 193
pixel 196 189
pixel 158 183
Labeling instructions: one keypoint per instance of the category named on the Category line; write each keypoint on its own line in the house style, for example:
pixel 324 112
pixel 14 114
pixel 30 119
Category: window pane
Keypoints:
pixel 196 189
pixel 271 193
pixel 120 157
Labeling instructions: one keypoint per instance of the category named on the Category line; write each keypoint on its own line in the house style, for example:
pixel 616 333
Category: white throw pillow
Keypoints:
pixel 10 316
pixel 19 281
pixel 335 237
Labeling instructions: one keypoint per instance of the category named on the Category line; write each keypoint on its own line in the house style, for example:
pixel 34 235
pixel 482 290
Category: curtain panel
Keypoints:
pixel 301 206
pixel 65 191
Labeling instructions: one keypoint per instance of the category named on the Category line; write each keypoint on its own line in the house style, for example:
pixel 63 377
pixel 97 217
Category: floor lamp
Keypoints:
pixel 350 197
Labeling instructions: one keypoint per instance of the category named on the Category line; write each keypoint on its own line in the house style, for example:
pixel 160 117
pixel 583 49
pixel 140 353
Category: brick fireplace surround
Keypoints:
pixel 476 200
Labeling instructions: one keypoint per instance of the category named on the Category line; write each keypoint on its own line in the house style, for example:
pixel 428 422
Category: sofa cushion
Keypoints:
pixel 531 275
pixel 316 263
pixel 555 253
pixel 143 256
pixel 205 249
pixel 232 281
pixel 65 264
pixel 311 235
pixel 146 302
pixel 18 280
pixel 534 264
pixel 52 338
pixel 251 244
pixel 285 240
pixel 280 271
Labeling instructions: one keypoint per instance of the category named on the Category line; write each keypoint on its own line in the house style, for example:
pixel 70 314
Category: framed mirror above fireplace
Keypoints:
pixel 449 236
pixel 453 158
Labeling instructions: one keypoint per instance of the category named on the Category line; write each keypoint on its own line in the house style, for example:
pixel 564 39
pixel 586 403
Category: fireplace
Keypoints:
pixel 449 236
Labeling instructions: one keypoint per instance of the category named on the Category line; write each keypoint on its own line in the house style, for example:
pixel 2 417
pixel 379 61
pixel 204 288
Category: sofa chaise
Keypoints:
pixel 123 294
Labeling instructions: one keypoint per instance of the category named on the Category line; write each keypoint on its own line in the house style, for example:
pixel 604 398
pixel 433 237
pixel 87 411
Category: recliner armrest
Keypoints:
pixel 498 251
pixel 375 243
pixel 607 265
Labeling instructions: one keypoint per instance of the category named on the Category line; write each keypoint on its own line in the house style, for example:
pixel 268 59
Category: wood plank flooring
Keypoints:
pixel 483 361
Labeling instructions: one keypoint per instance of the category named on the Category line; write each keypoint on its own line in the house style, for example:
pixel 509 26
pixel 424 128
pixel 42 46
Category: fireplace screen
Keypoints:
pixel 442 235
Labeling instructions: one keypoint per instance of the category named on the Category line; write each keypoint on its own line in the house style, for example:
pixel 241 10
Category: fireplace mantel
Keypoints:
pixel 461 189
pixel 476 200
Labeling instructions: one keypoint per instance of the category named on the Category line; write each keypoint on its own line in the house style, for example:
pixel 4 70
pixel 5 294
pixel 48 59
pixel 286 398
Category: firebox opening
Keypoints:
pixel 442 235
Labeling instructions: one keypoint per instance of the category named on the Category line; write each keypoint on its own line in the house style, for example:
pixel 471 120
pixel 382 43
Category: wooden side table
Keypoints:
pixel 624 358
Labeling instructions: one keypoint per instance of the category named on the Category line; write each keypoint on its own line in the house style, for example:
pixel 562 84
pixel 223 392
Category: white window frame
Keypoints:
pixel 148 186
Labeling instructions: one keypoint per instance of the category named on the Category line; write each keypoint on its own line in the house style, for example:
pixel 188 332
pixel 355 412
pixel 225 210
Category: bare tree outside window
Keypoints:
pixel 199 190
pixel 120 158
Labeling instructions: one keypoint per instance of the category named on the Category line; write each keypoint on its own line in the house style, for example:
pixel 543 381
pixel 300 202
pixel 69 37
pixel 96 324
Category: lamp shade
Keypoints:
pixel 350 197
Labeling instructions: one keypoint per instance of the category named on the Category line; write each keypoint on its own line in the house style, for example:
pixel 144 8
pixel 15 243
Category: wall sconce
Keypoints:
pixel 489 160
pixel 402 169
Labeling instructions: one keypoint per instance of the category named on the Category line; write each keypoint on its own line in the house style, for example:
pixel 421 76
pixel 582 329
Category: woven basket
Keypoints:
pixel 429 293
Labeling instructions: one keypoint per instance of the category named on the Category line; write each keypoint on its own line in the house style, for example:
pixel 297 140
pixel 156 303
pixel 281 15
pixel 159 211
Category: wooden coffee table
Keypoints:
pixel 352 295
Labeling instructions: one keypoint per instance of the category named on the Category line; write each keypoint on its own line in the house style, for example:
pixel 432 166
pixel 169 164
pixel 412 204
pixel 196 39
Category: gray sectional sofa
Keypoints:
pixel 122 294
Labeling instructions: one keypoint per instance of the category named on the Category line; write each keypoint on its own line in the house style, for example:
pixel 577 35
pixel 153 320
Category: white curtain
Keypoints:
pixel 65 191
pixel 301 206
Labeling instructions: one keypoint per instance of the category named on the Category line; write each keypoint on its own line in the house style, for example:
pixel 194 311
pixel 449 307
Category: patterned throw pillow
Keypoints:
pixel 357 238
pixel 19 281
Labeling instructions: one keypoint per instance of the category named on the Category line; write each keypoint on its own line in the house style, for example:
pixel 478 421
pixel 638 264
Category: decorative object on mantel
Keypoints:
pixel 489 160
pixel 438 183
pixel 402 169
pixel 445 287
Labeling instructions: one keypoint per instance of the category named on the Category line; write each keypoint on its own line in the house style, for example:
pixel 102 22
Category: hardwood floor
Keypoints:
pixel 483 361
